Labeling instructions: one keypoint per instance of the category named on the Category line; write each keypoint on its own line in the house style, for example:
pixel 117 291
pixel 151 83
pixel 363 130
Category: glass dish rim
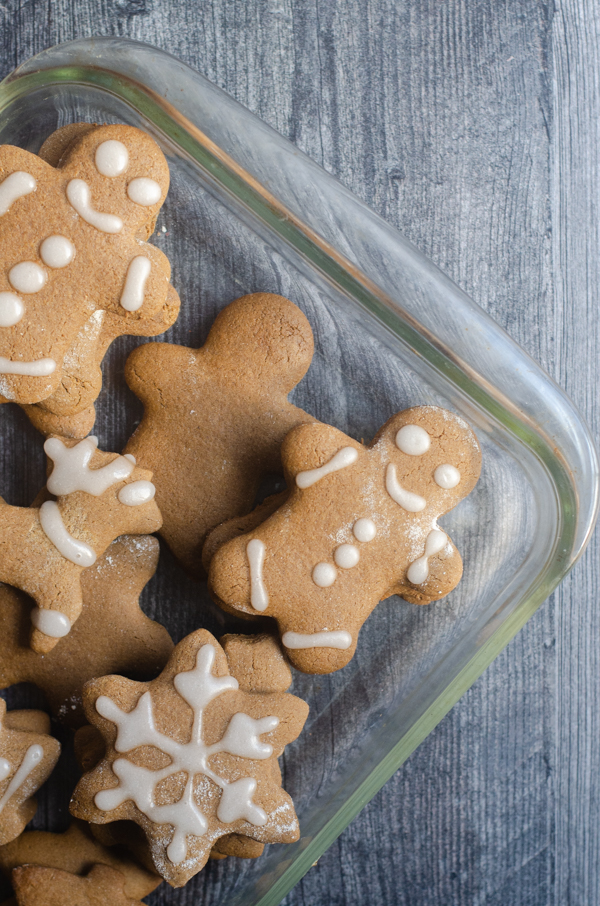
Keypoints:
pixel 56 66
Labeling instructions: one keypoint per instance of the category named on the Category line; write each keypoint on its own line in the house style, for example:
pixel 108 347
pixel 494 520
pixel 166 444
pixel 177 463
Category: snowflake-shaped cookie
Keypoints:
pixel 360 524
pixel 191 757
pixel 27 756
pixel 72 244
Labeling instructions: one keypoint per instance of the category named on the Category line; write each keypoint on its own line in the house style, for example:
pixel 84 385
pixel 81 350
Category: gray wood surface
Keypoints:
pixel 473 126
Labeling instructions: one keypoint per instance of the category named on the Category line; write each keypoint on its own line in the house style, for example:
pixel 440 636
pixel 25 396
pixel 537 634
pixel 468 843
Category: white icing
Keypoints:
pixel 72 471
pixel 418 572
pixel 364 530
pixel 144 191
pixel 40 368
pixel 54 528
pixel 344 457
pixel 137 493
pixel 138 272
pixel 27 277
pixel 51 622
pixel 324 575
pixel 413 440
pixel 446 476
pixel 57 251
pixel 137 728
pixel 11 309
pixel 33 756
pixel 5 769
pixel 346 556
pixel 336 639
pixel 255 552
pixel 410 502
pixel 15 186
pixel 80 198
pixel 111 158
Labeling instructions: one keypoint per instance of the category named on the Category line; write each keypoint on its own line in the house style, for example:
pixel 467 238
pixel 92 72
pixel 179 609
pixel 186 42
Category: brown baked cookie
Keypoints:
pixel 43 550
pixel 70 410
pixel 36 885
pixel 76 851
pixel 112 635
pixel 360 525
pixel 190 757
pixel 215 417
pixel 28 755
pixel 70 246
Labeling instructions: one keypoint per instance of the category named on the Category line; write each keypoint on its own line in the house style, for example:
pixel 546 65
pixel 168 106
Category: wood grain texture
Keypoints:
pixel 473 126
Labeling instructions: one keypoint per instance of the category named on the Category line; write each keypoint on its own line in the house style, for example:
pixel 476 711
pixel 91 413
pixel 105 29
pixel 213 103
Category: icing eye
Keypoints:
pixel 112 158
pixel 446 476
pixel 144 191
pixel 27 277
pixel 324 575
pixel 11 309
pixel 413 440
pixel 364 530
pixel 57 251
pixel 346 556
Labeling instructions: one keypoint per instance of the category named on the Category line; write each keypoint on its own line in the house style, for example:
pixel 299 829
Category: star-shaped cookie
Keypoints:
pixel 28 755
pixel 112 635
pixel 191 757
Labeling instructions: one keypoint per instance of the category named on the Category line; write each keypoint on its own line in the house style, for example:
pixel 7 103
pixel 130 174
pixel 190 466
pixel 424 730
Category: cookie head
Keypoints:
pixel 263 335
pixel 430 458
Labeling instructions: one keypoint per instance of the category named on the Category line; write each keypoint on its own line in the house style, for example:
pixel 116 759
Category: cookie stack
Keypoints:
pixel 182 767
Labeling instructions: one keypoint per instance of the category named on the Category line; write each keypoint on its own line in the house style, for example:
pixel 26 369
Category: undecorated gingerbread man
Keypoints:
pixel 360 524
pixel 215 417
pixel 99 496
pixel 72 244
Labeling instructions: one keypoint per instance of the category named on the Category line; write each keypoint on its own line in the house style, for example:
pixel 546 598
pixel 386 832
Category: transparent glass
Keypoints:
pixel 247 211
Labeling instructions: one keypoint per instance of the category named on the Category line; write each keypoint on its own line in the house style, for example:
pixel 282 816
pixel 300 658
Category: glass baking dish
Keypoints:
pixel 247 211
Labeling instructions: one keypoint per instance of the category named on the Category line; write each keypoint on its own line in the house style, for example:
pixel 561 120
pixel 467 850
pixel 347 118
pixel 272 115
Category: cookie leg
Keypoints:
pixel 52 619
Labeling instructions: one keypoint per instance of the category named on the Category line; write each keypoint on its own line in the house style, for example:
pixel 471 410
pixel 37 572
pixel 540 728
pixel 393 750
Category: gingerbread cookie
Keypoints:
pixel 360 525
pixel 215 417
pixel 77 851
pixel 43 550
pixel 28 755
pixel 190 757
pixel 70 411
pixel 70 246
pixel 112 635
pixel 36 885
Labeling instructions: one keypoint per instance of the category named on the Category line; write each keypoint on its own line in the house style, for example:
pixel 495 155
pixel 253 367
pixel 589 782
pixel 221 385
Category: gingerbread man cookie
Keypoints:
pixel 36 885
pixel 70 246
pixel 44 550
pixel 28 755
pixel 215 417
pixel 76 851
pixel 112 635
pixel 360 525
pixel 190 757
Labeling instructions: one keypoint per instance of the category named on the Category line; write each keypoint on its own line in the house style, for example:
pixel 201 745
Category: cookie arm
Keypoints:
pixel 444 573
pixel 313 446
